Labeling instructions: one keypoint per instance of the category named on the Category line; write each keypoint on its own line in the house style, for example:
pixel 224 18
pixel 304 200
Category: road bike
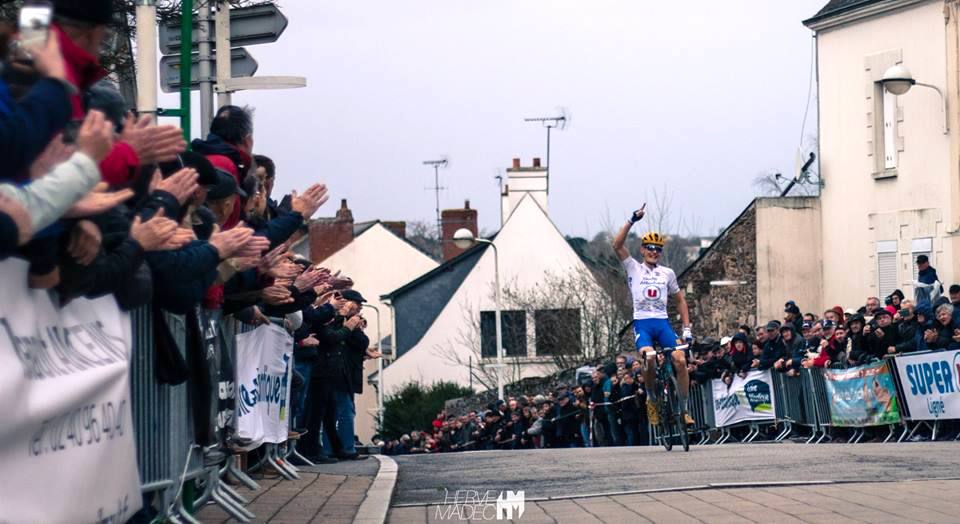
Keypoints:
pixel 672 415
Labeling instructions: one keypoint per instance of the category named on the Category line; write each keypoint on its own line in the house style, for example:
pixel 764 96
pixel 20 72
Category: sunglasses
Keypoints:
pixel 655 249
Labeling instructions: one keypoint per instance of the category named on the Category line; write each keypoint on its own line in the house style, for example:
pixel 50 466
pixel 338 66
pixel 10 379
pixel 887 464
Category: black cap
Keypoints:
pixel 226 186
pixel 881 312
pixel 352 296
pixel 826 324
pixel 922 259
pixel 791 308
pixel 773 325
pixel 99 12
pixel 807 324
pixel 206 175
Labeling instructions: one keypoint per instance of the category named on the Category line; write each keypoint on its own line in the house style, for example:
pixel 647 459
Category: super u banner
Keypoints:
pixel 931 384
pixel 745 399
pixel 264 358
pixel 862 396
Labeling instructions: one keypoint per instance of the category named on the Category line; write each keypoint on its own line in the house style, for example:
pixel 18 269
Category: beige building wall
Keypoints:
pixel 863 205
pixel 789 257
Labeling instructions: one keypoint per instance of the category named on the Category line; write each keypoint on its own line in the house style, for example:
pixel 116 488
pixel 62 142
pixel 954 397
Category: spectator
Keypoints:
pixel 882 338
pixel 630 410
pixel 773 348
pixel 927 287
pixel 792 316
pixel 793 351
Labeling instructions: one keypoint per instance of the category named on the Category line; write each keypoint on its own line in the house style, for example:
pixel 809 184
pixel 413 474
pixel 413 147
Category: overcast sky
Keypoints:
pixel 698 97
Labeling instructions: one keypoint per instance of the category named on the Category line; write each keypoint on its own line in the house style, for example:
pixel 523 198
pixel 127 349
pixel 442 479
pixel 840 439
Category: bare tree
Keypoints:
pixel 423 234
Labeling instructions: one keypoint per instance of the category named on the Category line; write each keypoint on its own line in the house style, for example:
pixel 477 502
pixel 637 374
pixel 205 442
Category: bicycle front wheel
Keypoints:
pixel 680 418
pixel 666 426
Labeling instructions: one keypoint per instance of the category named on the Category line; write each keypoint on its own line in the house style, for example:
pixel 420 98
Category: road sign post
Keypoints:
pixel 242 65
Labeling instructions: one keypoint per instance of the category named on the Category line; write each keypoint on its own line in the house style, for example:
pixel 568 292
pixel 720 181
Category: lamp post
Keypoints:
pixel 379 364
pixel 897 81
pixel 463 239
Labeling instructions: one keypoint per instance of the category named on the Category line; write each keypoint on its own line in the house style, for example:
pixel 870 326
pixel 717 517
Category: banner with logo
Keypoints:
pixel 263 384
pixel 931 384
pixel 745 399
pixel 67 451
pixel 862 396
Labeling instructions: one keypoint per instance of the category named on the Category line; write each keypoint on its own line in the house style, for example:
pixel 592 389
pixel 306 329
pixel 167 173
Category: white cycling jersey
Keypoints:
pixel 650 288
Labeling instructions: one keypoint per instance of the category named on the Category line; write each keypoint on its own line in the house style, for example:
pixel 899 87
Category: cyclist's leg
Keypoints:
pixel 644 342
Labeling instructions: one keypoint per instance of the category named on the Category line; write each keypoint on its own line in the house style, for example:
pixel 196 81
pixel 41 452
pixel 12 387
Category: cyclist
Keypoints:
pixel 650 285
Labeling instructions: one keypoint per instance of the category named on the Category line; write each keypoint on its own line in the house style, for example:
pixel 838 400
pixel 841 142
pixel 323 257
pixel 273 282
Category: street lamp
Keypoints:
pixel 463 239
pixel 897 81
pixel 379 364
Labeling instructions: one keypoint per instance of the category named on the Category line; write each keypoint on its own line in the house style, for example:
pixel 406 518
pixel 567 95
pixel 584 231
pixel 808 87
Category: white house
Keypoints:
pixel 436 316
pixel 378 260
pixel 888 163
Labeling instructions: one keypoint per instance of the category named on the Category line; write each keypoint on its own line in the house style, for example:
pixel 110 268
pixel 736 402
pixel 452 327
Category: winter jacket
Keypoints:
pixel 48 198
pixel 907 330
pixel 773 350
pixel 877 346
pixel 28 125
pixel 182 276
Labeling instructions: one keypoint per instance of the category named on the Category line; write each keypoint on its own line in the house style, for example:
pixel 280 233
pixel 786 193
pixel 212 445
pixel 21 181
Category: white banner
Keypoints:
pixel 746 399
pixel 67 450
pixel 264 358
pixel 931 384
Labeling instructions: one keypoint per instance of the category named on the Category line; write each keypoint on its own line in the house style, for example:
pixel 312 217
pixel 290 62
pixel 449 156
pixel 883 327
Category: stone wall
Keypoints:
pixel 717 310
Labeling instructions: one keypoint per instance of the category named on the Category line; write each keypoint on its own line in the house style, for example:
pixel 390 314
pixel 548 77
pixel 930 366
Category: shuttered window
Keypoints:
pixel 920 246
pixel 886 267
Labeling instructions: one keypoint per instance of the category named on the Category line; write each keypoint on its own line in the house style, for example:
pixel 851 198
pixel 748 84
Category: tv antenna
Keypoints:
pixel 437 164
pixel 560 121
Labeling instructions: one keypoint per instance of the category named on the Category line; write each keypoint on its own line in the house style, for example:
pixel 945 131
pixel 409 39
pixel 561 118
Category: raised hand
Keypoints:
pixel 98 201
pixel 181 184
pixel 308 279
pixel 152 143
pixel 95 138
pixel 56 153
pixel 311 200
pixel 48 60
pixel 227 243
pixel 276 295
pixel 638 214
pixel 85 241
pixel 153 234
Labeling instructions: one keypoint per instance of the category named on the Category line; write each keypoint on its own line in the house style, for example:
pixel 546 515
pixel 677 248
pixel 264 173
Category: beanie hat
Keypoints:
pixel 99 12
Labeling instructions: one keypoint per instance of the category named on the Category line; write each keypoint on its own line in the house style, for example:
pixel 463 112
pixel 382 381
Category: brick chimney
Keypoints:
pixel 450 221
pixel 329 235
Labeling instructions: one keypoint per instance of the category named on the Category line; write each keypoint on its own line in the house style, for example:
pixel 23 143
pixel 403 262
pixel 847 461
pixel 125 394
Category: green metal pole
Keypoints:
pixel 186 62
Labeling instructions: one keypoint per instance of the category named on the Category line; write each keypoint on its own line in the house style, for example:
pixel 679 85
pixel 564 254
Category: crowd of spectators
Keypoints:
pixel 837 338
pixel 101 201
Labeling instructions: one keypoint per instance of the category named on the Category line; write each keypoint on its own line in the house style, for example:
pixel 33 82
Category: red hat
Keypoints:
pixel 224 163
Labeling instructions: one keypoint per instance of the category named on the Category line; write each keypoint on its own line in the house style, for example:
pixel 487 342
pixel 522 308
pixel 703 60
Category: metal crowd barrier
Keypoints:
pixel 163 426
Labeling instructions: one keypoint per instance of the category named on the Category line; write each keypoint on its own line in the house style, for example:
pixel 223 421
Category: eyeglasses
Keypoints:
pixel 655 249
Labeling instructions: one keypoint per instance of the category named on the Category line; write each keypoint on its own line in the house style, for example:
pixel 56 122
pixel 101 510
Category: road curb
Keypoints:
pixel 375 505
pixel 698 487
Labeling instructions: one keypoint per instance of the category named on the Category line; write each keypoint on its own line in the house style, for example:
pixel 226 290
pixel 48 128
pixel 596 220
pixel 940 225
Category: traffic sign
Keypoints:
pixel 241 64
pixel 259 24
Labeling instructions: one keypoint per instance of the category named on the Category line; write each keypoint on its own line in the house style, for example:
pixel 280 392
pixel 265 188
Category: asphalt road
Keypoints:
pixel 572 472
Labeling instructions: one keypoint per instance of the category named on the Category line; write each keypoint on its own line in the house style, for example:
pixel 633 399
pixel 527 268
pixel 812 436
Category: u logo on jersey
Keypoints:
pixel 651 292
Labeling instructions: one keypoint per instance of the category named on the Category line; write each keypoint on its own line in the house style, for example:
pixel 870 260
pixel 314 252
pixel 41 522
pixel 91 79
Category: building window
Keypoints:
pixel 886 267
pixel 920 246
pixel 558 332
pixel 513 333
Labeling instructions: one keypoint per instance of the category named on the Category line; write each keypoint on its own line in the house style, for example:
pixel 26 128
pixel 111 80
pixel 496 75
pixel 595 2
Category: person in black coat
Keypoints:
pixel 629 409
pixel 773 348
pixel 567 424
pixel 882 338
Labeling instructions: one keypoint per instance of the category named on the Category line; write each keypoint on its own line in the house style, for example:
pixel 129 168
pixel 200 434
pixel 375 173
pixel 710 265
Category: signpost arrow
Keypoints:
pixel 260 24
pixel 241 63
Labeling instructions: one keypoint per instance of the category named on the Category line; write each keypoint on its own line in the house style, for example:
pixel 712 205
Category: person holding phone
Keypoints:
pixel 28 121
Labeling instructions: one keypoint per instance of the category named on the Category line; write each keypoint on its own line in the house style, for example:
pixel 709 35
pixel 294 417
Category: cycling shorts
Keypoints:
pixel 650 330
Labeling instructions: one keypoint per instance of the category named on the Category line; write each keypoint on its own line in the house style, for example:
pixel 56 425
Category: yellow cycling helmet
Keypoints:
pixel 654 238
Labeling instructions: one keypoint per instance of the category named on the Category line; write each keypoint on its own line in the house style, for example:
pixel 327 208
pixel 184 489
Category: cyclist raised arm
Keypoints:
pixel 650 285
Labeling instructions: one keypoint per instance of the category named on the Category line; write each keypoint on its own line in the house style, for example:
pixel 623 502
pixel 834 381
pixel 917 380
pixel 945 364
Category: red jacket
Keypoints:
pixel 84 70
